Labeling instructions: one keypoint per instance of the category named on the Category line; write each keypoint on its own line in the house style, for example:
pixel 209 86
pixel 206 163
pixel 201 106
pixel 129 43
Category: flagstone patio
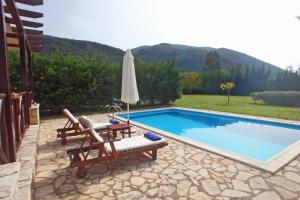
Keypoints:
pixel 180 172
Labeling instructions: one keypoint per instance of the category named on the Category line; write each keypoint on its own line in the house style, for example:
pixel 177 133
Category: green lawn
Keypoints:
pixel 238 104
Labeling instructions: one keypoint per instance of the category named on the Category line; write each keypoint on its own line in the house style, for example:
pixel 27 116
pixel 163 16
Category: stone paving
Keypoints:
pixel 180 172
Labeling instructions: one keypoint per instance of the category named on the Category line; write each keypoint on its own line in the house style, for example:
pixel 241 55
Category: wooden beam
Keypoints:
pixel 32 39
pixel 12 45
pixel 22 32
pixel 35 37
pixel 12 35
pixel 36 46
pixel 35 42
pixel 15 15
pixel 28 31
pixel 24 22
pixel 31 2
pixel 36 50
pixel 33 47
pixel 26 13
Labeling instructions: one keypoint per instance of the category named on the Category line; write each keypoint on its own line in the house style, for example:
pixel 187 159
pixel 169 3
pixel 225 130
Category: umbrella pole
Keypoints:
pixel 127 113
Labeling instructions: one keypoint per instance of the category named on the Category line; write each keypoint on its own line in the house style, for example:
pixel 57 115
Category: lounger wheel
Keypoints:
pixel 63 140
pixel 77 159
pixel 81 173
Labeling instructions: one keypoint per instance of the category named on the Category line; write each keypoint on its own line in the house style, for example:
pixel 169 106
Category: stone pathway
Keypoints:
pixel 180 172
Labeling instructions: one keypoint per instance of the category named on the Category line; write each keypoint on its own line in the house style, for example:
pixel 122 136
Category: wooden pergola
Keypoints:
pixel 19 31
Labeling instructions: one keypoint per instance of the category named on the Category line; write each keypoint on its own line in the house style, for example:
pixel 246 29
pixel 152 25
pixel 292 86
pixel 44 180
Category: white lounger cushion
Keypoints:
pixel 86 122
pixel 99 138
pixel 101 125
pixel 132 143
pixel 70 116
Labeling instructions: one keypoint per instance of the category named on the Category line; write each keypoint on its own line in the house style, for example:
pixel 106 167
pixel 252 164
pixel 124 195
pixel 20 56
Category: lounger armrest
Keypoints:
pixel 85 130
pixel 64 129
pixel 106 135
pixel 109 141
pixel 112 146
pixel 112 140
pixel 110 134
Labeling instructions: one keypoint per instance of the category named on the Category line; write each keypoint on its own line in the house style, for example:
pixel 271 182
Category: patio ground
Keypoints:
pixel 180 172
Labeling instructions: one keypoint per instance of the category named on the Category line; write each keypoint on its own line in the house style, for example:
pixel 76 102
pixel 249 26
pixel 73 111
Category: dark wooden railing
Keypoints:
pixel 14 107
pixel 20 121
pixel 4 151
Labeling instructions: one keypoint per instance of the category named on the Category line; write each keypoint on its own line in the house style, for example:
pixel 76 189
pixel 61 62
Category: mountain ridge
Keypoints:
pixel 193 58
pixel 80 48
pixel 188 58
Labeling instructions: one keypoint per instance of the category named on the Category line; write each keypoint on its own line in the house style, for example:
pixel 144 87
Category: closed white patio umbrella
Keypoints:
pixel 129 92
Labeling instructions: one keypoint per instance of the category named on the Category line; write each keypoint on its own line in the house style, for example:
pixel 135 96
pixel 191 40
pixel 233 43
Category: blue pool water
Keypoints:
pixel 255 139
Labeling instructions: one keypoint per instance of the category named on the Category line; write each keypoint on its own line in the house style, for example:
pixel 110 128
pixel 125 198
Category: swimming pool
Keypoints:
pixel 253 139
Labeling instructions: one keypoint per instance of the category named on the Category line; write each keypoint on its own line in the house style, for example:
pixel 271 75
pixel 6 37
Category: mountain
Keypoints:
pixel 187 58
pixel 81 48
pixel 191 58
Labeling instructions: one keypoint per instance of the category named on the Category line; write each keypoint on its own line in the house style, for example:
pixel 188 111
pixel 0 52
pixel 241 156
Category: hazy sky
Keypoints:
pixel 266 29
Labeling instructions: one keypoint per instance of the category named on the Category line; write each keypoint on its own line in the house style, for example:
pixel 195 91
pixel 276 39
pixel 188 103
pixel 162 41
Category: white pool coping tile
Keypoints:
pixel 272 166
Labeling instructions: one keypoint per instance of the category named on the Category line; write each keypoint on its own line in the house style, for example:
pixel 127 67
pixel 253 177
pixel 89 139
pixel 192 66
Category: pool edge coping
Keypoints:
pixel 272 166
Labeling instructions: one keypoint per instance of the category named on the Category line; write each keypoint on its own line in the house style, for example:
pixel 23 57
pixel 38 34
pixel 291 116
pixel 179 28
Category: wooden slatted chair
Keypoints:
pixel 109 149
pixel 74 128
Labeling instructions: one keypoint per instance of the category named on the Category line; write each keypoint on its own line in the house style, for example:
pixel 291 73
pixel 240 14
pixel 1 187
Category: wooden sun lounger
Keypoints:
pixel 109 149
pixel 74 128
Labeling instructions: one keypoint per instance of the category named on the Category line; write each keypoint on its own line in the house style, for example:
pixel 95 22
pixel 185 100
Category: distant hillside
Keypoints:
pixel 187 58
pixel 191 58
pixel 81 48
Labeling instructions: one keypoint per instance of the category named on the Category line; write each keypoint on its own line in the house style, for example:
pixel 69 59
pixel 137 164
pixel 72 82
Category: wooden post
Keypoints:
pixel 30 78
pixel 5 87
pixel 23 74
pixel 30 82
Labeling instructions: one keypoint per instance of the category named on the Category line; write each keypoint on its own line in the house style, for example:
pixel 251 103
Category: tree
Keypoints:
pixel 168 82
pixel 227 86
pixel 191 81
pixel 158 82
pixel 212 61
pixel 289 80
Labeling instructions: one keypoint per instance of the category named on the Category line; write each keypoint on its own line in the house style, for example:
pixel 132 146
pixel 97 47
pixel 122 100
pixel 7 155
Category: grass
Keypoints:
pixel 104 111
pixel 238 104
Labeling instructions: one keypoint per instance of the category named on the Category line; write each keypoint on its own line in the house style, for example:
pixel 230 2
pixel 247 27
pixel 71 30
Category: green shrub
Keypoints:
pixel 88 84
pixel 158 82
pixel 283 98
pixel 75 83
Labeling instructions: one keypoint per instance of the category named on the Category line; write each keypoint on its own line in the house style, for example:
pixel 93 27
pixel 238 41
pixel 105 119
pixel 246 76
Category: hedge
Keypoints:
pixel 283 98
pixel 88 84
